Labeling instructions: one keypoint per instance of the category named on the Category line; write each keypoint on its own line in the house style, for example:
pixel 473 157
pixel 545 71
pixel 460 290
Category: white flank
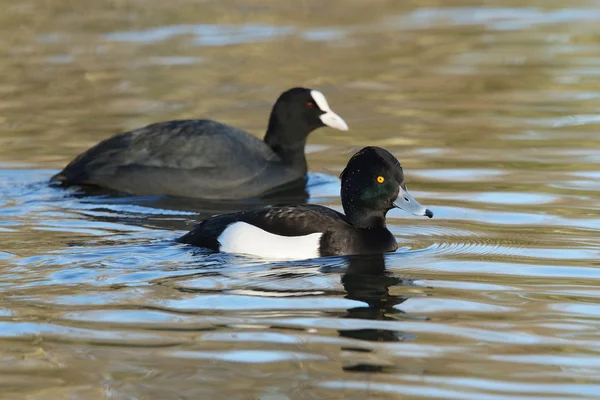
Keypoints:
pixel 330 118
pixel 243 238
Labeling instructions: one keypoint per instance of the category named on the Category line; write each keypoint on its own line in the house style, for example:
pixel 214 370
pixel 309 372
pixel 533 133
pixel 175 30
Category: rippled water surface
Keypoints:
pixel 493 109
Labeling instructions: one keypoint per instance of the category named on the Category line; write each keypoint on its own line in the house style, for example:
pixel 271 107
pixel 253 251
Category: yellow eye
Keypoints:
pixel 380 179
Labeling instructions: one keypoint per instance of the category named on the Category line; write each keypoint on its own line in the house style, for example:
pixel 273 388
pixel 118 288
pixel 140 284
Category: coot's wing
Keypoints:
pixel 175 157
pixel 284 221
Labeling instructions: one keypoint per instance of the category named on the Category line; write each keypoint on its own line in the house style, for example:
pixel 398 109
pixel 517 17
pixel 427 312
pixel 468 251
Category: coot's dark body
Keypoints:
pixel 207 159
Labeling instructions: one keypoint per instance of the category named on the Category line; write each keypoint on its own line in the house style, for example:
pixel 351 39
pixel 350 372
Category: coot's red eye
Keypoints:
pixel 310 104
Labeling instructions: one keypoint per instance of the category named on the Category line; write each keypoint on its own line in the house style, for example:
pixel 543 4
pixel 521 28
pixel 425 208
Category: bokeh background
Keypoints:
pixel 491 106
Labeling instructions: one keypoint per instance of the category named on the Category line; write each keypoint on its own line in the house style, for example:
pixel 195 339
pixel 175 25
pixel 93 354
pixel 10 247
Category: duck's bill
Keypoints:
pixel 333 120
pixel 406 202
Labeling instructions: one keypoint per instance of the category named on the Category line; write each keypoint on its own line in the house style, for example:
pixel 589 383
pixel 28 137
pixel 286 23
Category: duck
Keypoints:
pixel 371 185
pixel 205 159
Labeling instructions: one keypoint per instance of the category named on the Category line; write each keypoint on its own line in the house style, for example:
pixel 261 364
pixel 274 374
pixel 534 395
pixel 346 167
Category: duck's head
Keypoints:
pixel 373 184
pixel 296 113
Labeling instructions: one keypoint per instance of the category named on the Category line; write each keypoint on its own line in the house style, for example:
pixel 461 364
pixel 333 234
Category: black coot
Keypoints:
pixel 206 159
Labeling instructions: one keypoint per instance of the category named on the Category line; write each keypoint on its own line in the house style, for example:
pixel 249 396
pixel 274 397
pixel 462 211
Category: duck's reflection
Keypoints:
pixel 368 281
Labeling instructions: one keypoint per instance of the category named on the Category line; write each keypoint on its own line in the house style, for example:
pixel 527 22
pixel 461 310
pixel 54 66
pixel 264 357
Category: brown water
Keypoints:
pixel 493 109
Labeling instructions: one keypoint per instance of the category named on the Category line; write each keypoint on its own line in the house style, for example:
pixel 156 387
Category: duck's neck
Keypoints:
pixel 372 219
pixel 287 143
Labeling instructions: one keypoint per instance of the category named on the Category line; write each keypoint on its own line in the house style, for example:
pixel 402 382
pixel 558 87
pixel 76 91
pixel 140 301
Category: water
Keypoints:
pixel 493 110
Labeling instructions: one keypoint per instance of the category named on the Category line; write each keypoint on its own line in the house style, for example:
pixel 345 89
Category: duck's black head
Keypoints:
pixel 372 184
pixel 296 113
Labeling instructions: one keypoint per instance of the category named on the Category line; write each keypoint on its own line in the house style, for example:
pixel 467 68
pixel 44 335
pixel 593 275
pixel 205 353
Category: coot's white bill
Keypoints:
pixel 330 118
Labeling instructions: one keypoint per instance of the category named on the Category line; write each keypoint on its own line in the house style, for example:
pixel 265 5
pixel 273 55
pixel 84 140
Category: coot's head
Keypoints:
pixel 372 184
pixel 296 113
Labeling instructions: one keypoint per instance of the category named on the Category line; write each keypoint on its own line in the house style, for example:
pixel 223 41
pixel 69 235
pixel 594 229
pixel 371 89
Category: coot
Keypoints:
pixel 207 159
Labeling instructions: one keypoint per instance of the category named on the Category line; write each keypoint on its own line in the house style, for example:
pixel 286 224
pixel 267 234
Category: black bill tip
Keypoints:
pixel 429 213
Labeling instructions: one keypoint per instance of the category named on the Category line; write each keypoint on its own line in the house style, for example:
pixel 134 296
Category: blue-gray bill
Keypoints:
pixel 406 202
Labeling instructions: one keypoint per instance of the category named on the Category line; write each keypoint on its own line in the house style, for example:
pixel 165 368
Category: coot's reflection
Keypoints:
pixel 168 216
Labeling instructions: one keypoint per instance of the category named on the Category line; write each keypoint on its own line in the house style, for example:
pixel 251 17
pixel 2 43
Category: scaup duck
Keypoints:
pixel 207 159
pixel 372 184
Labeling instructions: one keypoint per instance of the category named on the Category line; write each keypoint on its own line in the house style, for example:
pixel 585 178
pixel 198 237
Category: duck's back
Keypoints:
pixel 283 221
pixel 191 158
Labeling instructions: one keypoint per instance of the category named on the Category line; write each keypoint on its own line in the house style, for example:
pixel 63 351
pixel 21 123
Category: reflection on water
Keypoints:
pixel 367 281
pixel 492 110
